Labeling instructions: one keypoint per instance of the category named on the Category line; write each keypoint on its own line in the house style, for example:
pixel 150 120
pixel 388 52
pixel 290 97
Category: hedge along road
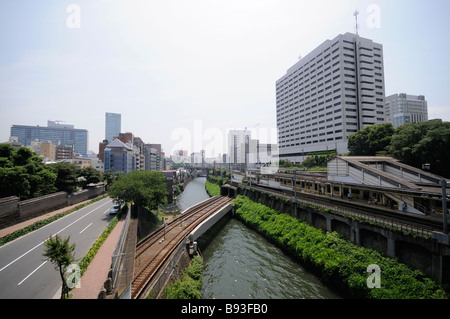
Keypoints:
pixel 24 272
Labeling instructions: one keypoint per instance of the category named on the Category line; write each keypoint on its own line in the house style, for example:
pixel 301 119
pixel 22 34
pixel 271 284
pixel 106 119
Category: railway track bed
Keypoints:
pixel 153 251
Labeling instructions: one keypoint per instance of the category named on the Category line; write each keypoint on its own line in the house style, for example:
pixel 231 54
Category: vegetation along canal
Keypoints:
pixel 239 263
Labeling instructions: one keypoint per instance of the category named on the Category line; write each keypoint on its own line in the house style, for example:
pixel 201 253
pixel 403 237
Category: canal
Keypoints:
pixel 239 263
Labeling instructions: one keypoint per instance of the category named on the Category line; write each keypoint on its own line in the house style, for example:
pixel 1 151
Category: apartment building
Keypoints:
pixel 405 108
pixel 333 92
pixel 237 141
pixel 44 149
pixel 153 157
pixel 119 157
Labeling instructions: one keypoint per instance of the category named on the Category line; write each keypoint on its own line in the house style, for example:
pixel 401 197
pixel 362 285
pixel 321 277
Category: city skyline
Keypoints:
pixel 200 67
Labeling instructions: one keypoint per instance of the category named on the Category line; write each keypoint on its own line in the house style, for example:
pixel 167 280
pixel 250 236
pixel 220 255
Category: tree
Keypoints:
pixel 23 173
pixel 6 151
pixel 67 177
pixel 423 143
pixel 61 254
pixel 90 176
pixel 144 188
pixel 309 162
pixel 370 140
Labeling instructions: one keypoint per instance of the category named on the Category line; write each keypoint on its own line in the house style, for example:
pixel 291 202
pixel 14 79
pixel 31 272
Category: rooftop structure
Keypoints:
pixel 399 182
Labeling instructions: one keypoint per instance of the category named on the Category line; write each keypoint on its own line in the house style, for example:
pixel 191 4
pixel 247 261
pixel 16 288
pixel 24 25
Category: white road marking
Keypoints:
pixel 85 228
pixel 31 273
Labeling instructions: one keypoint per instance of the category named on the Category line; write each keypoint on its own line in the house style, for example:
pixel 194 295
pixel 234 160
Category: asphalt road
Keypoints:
pixel 24 272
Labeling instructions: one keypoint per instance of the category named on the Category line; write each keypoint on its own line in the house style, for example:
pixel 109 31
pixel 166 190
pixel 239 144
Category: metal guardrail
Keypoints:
pixel 118 254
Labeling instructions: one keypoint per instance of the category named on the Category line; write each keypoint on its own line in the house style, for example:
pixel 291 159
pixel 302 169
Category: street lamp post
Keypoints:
pixel 294 199
pixel 295 183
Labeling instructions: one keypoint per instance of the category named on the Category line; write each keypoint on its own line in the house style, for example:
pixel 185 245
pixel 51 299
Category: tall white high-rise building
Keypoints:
pixel 405 108
pixel 237 141
pixel 333 92
pixel 112 126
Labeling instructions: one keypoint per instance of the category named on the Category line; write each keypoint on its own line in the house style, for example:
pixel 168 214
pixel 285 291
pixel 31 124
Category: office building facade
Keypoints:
pixel 333 92
pixel 119 157
pixel 113 125
pixel 151 158
pixel 238 141
pixel 405 108
pixel 58 134
pixel 154 162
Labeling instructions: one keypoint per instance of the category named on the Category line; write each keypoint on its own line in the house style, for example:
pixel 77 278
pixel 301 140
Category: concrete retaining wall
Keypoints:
pixel 208 223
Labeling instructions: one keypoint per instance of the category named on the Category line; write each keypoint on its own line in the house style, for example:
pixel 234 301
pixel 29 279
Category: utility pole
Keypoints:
pixel 294 199
pixel 444 205
pixel 295 183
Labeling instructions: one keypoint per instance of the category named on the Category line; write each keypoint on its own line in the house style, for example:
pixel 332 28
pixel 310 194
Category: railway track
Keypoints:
pixel 379 214
pixel 154 250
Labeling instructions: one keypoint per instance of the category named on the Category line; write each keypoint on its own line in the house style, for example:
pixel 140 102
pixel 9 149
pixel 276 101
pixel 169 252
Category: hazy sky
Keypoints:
pixel 183 72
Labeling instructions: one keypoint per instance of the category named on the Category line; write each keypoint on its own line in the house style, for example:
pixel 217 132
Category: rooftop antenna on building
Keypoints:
pixel 355 14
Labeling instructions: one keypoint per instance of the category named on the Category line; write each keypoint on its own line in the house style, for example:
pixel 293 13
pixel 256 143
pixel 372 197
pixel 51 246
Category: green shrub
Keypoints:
pixel 212 189
pixel 86 260
pixel 190 284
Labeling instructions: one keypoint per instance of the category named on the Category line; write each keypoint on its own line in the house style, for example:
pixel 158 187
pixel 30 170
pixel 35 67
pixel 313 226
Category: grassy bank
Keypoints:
pixel 336 259
pixel 212 185
pixel 190 284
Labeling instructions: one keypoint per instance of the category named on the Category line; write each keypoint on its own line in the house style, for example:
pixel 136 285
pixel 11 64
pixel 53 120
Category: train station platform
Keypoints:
pixel 370 179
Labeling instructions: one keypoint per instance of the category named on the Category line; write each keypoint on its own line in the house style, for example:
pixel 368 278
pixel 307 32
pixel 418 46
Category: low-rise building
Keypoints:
pixel 64 152
pixel 119 157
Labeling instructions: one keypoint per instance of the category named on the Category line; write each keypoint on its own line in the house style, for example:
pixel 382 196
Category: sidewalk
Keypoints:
pixel 97 272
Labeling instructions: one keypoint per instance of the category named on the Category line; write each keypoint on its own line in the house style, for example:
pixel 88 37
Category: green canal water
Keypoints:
pixel 241 264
